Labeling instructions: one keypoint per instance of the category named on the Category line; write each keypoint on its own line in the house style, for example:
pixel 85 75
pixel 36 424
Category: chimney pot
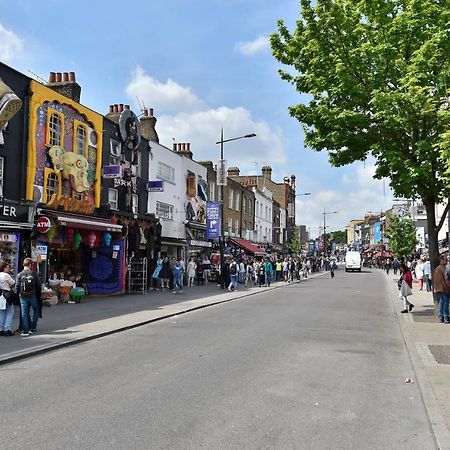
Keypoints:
pixel 188 145
pixel 145 112
pixel 116 107
pixel 111 109
pixel 151 112
pixel 120 107
pixel 72 77
pixel 52 77
pixel 65 77
pixel 174 147
pixel 58 77
pixel 180 147
pixel 127 106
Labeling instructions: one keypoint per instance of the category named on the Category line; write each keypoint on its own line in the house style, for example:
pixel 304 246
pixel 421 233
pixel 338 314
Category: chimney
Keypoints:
pixel 183 149
pixel 148 123
pixel 233 172
pixel 114 113
pixel 207 164
pixel 267 172
pixel 293 181
pixel 65 84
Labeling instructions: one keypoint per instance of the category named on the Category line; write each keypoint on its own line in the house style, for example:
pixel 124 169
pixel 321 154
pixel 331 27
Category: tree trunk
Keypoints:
pixel 433 246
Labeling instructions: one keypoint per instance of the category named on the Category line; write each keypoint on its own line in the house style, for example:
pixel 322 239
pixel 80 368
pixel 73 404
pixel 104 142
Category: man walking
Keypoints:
pixel 427 274
pixel 29 288
pixel 440 287
pixel 234 274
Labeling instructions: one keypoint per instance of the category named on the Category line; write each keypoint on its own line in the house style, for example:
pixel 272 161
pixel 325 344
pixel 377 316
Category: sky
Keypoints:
pixel 201 65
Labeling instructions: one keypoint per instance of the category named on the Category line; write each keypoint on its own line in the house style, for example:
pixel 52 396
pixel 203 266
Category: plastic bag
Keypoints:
pixel 2 302
pixel 405 290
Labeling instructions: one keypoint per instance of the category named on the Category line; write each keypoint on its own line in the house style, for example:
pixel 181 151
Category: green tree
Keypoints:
pixel 339 236
pixel 295 244
pixel 402 236
pixel 376 79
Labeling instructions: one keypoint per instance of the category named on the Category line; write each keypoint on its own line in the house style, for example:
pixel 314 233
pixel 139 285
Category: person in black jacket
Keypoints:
pixel 165 273
pixel 29 288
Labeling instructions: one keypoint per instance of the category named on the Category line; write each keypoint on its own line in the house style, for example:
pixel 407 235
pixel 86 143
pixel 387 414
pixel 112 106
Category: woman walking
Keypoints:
pixel 6 315
pixel 405 283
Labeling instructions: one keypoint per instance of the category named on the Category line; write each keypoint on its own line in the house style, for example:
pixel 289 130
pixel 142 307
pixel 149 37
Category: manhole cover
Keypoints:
pixel 441 353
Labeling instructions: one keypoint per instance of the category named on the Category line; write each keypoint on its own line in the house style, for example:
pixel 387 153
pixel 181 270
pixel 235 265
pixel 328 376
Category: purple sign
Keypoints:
pixel 112 171
pixel 155 186
pixel 213 220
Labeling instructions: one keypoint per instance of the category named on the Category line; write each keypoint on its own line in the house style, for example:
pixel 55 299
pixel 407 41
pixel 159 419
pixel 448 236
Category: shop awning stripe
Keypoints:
pixel 89 224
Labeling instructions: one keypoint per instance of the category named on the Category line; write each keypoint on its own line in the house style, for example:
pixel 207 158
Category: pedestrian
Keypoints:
pixel 267 273
pixel 286 270
pixel 234 274
pixel 395 265
pixel 191 269
pixel 206 269
pixel 177 278
pixel 441 287
pixel 242 271
pixel 419 273
pixel 261 275
pixel 427 274
pixel 405 285
pixel 278 269
pixel 249 272
pixel 200 274
pixel 388 265
pixel 155 275
pixel 165 274
pixel 6 286
pixel 29 289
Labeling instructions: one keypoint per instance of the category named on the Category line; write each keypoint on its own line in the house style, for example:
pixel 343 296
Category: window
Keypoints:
pixel 230 225
pixel 244 226
pixel 191 190
pixel 52 185
pixel 236 226
pixel 250 211
pixel 80 144
pixel 230 198
pixel 2 163
pixel 134 203
pixel 115 151
pixel 245 205
pixel 54 127
pixel 164 210
pixel 267 213
pixel 238 201
pixel 113 198
pixel 166 173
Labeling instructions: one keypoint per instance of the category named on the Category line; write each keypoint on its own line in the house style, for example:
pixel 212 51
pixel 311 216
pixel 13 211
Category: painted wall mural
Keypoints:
pixel 64 154
pixel 196 204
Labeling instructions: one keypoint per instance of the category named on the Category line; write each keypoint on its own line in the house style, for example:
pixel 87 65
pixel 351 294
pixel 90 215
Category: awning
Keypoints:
pixel 248 246
pixel 86 224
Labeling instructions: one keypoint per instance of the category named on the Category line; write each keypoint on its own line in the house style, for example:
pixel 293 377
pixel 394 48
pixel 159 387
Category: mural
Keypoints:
pixel 196 204
pixel 9 104
pixel 64 152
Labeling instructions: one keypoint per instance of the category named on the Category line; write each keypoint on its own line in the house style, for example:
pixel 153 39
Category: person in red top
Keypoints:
pixel 406 275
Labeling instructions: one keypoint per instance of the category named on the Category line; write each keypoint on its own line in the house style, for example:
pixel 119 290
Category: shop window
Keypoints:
pixel 166 173
pixel 113 198
pixel 80 135
pixel 164 210
pixel 134 203
pixel 230 198
pixel 52 185
pixel 55 128
pixel 114 152
pixel 238 200
pixel 2 164
pixel 191 185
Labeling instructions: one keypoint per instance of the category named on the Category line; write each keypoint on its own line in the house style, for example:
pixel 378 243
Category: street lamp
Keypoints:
pixel 325 213
pixel 222 183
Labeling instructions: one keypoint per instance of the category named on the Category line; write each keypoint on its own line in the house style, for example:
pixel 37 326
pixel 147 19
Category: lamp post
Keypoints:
pixel 325 213
pixel 223 183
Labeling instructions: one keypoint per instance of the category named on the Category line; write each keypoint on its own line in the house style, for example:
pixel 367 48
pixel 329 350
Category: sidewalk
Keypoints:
pixel 428 343
pixel 67 324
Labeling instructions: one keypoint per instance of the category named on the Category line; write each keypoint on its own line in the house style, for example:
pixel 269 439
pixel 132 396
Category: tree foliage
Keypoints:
pixel 402 236
pixel 376 79
pixel 339 236
pixel 295 244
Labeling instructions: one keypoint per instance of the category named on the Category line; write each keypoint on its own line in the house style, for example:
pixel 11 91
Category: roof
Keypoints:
pixel 251 248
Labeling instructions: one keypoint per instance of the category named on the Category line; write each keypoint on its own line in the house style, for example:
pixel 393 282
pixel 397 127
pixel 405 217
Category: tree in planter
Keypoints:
pixel 376 75
pixel 295 244
pixel 402 236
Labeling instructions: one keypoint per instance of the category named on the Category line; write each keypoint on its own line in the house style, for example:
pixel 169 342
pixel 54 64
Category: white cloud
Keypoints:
pixel 186 118
pixel 10 45
pixel 169 95
pixel 358 194
pixel 259 44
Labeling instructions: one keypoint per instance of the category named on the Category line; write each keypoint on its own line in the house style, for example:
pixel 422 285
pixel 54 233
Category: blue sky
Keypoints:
pixel 200 64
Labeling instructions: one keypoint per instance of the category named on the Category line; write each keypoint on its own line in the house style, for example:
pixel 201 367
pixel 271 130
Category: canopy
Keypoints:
pixel 248 246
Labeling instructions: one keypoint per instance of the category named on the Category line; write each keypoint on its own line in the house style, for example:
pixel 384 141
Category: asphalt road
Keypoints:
pixel 317 365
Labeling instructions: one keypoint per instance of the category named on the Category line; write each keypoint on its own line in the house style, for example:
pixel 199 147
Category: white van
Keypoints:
pixel 353 261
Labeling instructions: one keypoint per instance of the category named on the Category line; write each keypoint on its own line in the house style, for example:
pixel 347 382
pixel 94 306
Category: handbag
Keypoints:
pixel 2 302
pixel 405 290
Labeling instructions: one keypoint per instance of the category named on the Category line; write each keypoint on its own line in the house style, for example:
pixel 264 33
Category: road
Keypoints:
pixel 316 365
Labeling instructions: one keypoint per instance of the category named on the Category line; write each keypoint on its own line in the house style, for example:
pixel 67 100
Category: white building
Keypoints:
pixel 263 215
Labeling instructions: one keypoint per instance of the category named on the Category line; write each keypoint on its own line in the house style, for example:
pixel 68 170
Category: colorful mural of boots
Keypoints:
pixel 9 104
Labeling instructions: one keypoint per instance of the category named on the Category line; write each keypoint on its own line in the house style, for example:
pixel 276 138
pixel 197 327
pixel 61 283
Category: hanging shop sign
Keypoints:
pixel 155 186
pixel 43 224
pixel 221 173
pixel 112 171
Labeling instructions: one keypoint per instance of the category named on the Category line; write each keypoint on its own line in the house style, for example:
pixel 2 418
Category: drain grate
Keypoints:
pixel 441 353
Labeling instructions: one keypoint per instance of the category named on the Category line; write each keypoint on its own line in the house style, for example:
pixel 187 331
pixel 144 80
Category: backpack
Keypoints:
pixel 233 269
pixel 27 285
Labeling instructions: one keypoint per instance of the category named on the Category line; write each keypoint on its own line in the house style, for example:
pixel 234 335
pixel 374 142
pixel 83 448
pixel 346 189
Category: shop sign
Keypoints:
pixel 155 186
pixel 43 224
pixel 199 243
pixel 15 213
pixel 71 204
pixel 121 182
pixel 213 220
pixel 112 171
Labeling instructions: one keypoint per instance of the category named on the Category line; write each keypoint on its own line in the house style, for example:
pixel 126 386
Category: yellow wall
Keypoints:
pixel 40 95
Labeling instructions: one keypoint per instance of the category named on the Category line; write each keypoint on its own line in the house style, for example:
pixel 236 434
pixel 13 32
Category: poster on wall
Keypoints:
pixel 103 268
